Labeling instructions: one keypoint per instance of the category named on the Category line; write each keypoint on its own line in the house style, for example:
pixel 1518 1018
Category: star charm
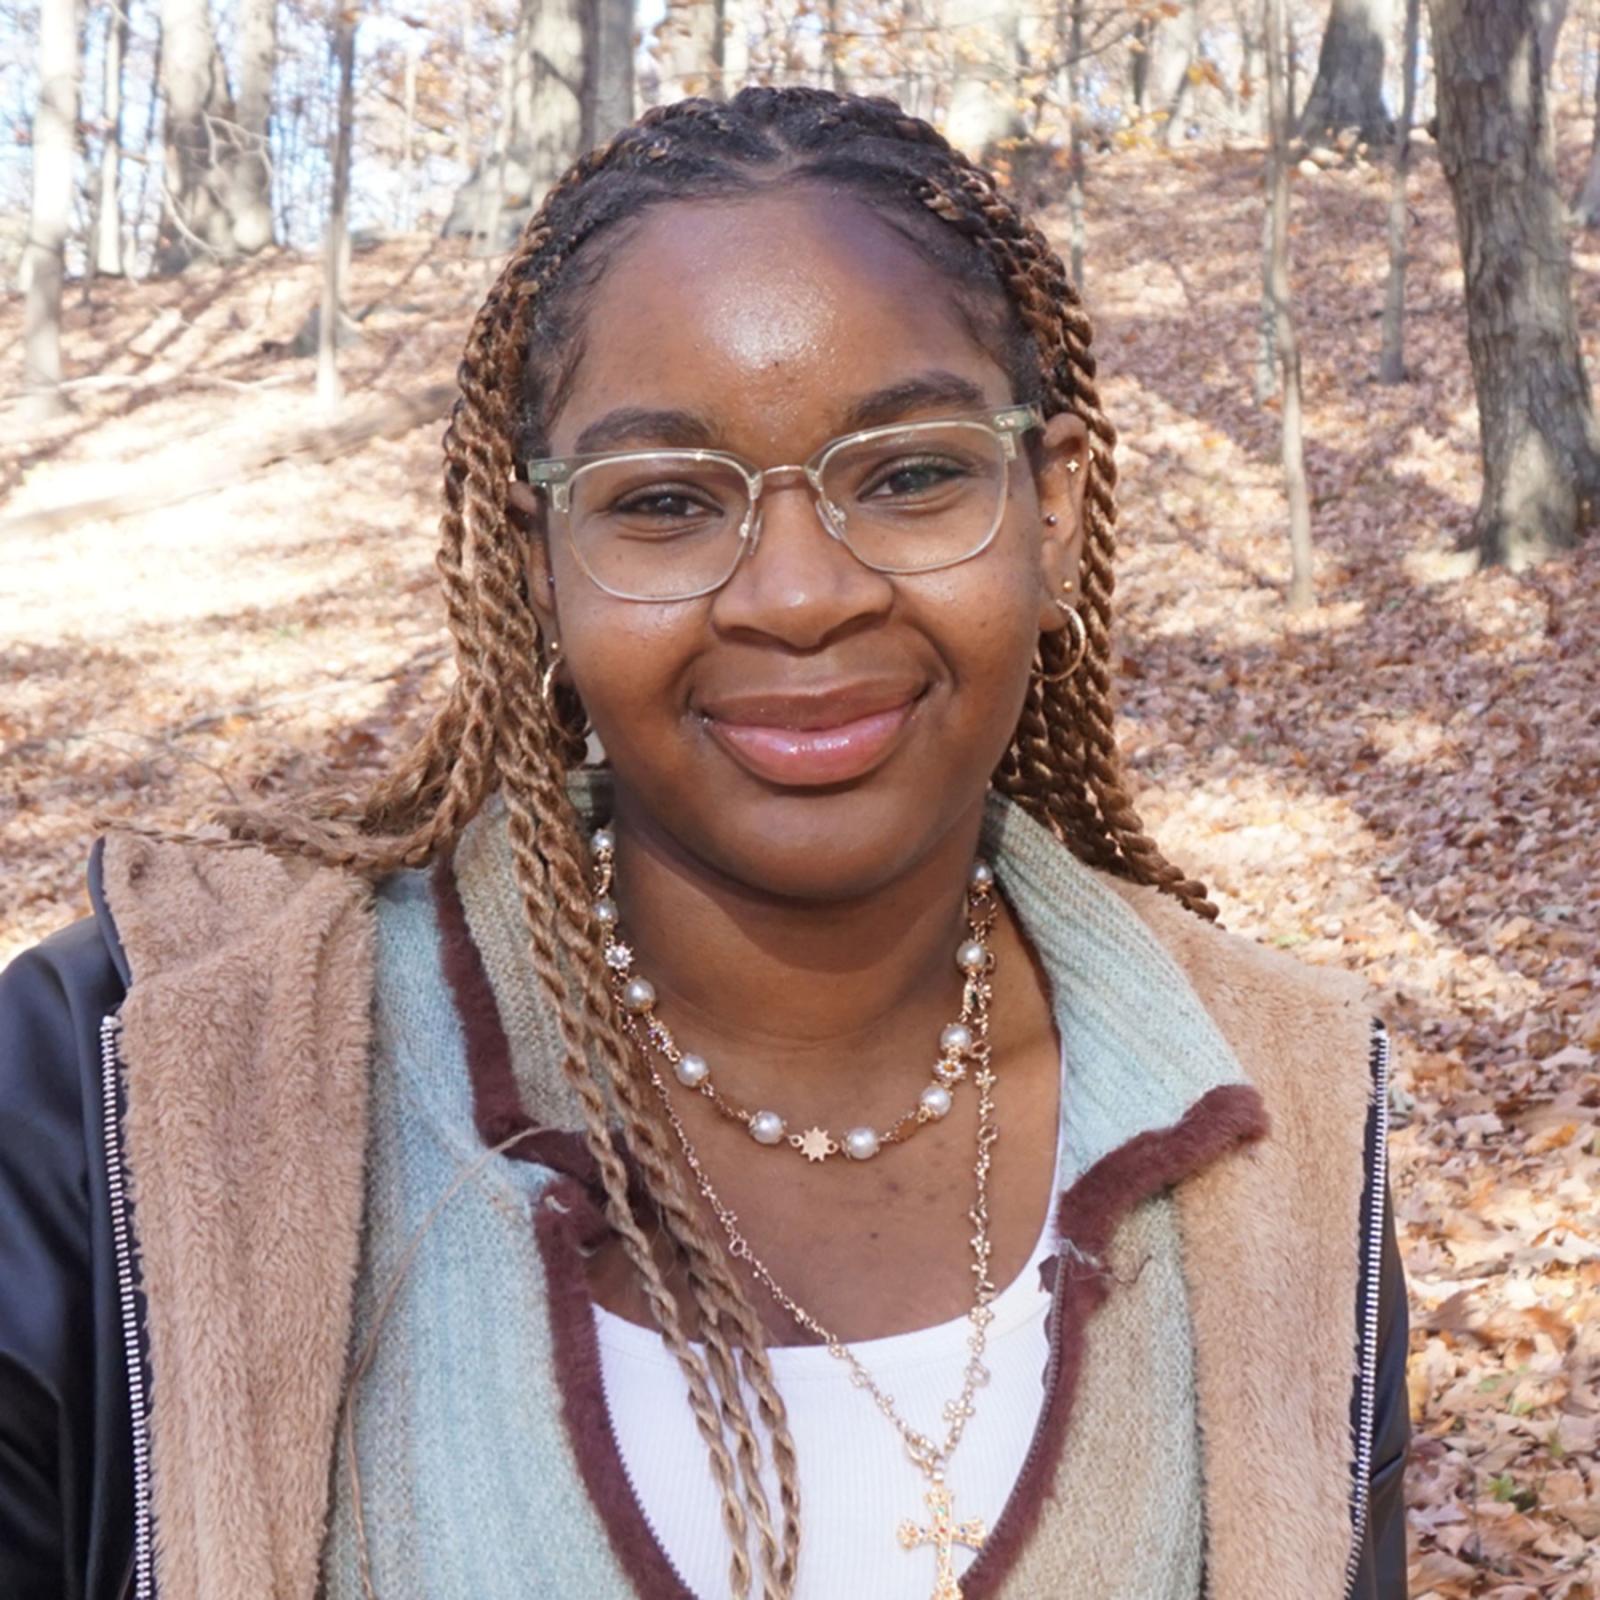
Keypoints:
pixel 814 1144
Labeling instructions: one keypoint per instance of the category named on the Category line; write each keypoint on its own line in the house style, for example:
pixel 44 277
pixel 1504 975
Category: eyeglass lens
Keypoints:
pixel 667 525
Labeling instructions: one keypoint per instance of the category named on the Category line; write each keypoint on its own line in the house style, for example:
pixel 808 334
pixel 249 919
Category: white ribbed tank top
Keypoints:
pixel 856 1483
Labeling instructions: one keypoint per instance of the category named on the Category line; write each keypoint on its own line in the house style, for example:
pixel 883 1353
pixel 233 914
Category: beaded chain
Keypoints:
pixel 976 962
pixel 963 1044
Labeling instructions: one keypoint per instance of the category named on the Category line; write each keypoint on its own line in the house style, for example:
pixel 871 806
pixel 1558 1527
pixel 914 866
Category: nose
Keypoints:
pixel 798 584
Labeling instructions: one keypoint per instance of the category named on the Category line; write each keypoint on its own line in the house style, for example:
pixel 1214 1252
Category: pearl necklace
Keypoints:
pixel 963 1044
pixel 932 1460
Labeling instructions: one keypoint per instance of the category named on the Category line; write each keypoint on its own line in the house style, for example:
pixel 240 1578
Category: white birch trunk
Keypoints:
pixel 248 155
pixel 106 248
pixel 336 237
pixel 54 140
pixel 1293 445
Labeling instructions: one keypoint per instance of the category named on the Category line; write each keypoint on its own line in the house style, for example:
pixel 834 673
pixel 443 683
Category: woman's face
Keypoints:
pixel 813 728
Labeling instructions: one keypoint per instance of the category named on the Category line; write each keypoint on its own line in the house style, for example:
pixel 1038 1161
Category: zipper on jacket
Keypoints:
pixel 122 1242
pixel 1369 1328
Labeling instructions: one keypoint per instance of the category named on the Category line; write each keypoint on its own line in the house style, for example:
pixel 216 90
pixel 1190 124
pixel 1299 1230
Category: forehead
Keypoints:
pixel 768 316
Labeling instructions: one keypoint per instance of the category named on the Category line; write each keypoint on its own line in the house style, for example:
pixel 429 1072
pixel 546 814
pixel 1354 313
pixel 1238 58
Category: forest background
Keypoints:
pixel 1342 261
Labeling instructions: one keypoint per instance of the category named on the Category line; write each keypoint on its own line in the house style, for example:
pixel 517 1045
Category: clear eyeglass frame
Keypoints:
pixel 556 475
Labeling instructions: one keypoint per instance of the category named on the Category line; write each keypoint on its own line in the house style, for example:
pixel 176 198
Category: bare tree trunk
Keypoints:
pixel 1161 51
pixel 105 250
pixel 1292 72
pixel 337 236
pixel 141 205
pixel 1181 37
pixel 248 196
pixel 408 152
pixel 911 56
pixel 1585 45
pixel 833 47
pixel 1294 470
pixel 608 101
pixel 54 139
pixel 1541 448
pixel 1248 119
pixel 199 120
pixel 547 125
pixel 1586 209
pixel 487 237
pixel 1348 89
pixel 986 38
pixel 1392 366
pixel 1552 16
pixel 1076 112
pixel 548 129
pixel 1266 372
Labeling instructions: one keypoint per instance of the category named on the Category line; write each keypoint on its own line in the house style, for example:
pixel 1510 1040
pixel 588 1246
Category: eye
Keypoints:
pixel 665 503
pixel 912 476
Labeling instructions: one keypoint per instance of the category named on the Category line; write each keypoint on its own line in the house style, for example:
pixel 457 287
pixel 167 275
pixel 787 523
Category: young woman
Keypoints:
pixel 823 1149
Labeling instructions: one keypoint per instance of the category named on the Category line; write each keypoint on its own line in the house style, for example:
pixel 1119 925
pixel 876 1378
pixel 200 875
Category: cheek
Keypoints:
pixel 629 660
pixel 983 615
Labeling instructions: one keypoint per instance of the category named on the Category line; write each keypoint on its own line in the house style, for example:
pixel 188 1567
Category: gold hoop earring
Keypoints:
pixel 552 706
pixel 1076 623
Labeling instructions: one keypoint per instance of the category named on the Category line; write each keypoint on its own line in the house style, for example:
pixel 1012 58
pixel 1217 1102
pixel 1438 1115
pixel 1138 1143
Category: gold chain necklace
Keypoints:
pixel 942 1531
pixel 958 1043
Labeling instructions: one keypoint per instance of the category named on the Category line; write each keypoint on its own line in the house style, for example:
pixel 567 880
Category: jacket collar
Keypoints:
pixel 1140 1044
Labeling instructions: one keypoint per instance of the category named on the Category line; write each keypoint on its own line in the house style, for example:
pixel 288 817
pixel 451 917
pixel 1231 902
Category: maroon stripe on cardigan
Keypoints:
pixel 559 1225
pixel 497 1107
pixel 1087 1217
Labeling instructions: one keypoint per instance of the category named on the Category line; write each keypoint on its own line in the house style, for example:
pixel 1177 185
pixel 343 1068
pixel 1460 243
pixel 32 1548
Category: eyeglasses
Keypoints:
pixel 674 524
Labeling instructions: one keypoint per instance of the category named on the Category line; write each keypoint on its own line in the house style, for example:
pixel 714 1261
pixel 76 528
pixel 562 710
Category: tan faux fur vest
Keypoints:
pixel 246 1037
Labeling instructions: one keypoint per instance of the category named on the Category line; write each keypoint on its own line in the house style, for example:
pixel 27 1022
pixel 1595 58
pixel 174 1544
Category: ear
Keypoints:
pixel 1060 481
pixel 525 511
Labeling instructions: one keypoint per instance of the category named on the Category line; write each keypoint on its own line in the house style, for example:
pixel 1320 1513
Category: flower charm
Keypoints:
pixel 814 1144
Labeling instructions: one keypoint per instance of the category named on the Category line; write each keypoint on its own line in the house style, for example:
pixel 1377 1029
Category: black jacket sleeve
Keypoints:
pixel 1382 1574
pixel 65 1452
pixel 1381 1567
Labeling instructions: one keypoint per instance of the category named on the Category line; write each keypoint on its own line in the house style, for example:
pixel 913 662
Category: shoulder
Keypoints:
pixel 1304 1034
pixel 178 904
pixel 52 998
pixel 1234 968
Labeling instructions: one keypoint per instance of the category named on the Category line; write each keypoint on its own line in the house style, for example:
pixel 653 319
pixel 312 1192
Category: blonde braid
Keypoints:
pixel 560 900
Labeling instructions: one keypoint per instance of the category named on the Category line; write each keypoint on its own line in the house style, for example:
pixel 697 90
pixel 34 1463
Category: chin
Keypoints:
pixel 832 844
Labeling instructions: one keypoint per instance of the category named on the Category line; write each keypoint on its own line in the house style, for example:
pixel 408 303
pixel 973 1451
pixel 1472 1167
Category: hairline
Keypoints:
pixel 984 306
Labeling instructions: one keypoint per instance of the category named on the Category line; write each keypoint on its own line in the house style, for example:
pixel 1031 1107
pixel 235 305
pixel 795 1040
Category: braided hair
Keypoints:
pixel 493 731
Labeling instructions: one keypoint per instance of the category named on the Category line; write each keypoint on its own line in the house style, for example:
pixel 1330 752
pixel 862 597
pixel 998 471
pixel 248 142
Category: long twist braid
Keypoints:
pixel 543 832
pixel 493 733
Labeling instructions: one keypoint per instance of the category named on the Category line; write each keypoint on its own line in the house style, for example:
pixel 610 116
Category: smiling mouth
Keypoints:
pixel 811 741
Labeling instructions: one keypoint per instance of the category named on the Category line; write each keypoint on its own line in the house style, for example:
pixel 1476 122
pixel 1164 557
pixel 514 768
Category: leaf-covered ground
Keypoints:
pixel 1401 781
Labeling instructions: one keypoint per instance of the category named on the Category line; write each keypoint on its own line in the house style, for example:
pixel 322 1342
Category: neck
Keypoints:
pixel 784 985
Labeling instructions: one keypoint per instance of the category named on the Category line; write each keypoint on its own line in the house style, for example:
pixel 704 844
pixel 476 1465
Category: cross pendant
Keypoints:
pixel 944 1533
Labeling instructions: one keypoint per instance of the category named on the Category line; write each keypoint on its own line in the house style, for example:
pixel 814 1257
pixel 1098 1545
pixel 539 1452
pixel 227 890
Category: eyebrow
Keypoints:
pixel 642 425
pixel 936 388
